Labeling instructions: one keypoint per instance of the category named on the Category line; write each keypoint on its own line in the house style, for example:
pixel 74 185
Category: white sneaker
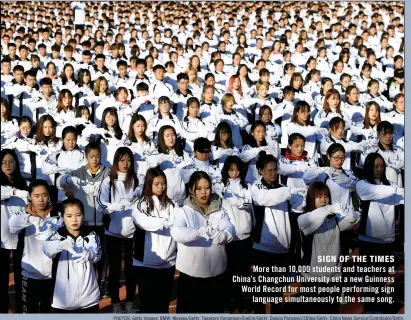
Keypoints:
pixel 130 307
pixel 117 308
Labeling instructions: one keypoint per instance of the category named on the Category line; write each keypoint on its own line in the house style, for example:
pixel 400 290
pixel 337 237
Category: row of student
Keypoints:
pixel 232 133
pixel 81 82
pixel 206 238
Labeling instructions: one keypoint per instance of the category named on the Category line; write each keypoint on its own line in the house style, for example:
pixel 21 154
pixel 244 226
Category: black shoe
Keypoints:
pixel 104 291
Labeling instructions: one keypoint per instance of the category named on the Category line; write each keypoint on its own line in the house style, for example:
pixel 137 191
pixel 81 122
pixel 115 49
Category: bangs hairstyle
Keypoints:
pixel 162 148
pixel 72 202
pixel 368 106
pixel 251 140
pixel 315 189
pixel 223 127
pixel 63 93
pixel 18 181
pixel 137 117
pixel 227 97
pixel 40 137
pixel 205 88
pixel 369 168
pixel 301 106
pixel 231 84
pixel 348 91
pixel 335 94
pixel 117 130
pixel 119 90
pixel 147 193
pixel 97 86
pixel 195 178
pixel 263 109
pixel 131 178
pixel 240 166
pixel 295 76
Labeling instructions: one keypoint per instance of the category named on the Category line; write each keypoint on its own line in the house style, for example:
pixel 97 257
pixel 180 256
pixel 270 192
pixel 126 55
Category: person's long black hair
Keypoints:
pixel 240 166
pixel 369 168
pixel 18 181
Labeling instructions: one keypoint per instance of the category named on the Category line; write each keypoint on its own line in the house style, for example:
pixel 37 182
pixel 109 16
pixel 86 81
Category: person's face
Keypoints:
pixel 25 129
pixel 374 88
pixel 47 128
pixel 337 131
pixel 23 54
pixel 321 200
pixel 202 192
pixel 73 218
pixel 103 86
pixel 333 101
pixel 159 186
pixel 299 49
pixel 373 113
pixel 353 96
pixel 159 74
pixel 139 128
pixel 297 83
pixel 69 72
pixel 86 59
pixel 258 133
pixel 339 67
pixel 233 172
pixel 31 81
pixel 12 51
pixel 297 147
pixel 183 85
pixel 35 63
pixel 70 141
pixel 122 96
pixel 229 105
pixel 337 159
pixel 303 115
pixel 243 72
pixel 399 105
pixel 8 165
pixel 164 107
pixel 262 91
pixel 122 70
pixel 110 119
pixel 124 163
pixel 209 95
pixel 270 172
pixel 236 84
pixel 398 64
pixel 39 198
pixel 6 67
pixel 266 116
pixel 193 110
pixel 93 158
pixel 18 75
pixel 202 156
pixel 100 63
pixel 170 138
pixel 379 168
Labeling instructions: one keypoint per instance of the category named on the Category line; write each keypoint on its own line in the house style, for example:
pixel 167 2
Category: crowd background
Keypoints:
pixel 205 137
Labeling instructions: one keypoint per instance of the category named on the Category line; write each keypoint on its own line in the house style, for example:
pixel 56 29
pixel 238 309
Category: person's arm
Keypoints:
pixel 180 232
pixel 348 220
pixel 309 222
pixel 53 245
pixel 286 167
pixel 225 232
pixel 144 220
pixel 367 191
pixel 22 220
pixel 267 198
pixel 248 153
pixel 104 196
pixel 93 247
pixel 313 175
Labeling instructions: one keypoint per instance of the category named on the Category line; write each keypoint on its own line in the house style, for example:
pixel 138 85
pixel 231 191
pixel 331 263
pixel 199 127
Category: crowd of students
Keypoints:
pixel 203 137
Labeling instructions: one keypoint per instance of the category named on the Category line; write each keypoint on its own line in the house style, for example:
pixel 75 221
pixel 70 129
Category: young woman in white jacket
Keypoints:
pixel 201 229
pixel 171 158
pixel 154 249
pixel 74 250
pixel 116 195
pixel 272 203
pixel 34 225
pixel 379 200
pixel 14 197
pixel 222 146
pixel 238 206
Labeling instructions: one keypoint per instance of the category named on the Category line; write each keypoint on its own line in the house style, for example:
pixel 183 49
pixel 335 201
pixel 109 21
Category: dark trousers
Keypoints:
pixel 200 295
pixel 93 309
pixel 114 246
pixel 238 264
pixel 36 295
pixel 267 259
pixel 375 249
pixel 102 264
pixel 155 288
pixel 4 279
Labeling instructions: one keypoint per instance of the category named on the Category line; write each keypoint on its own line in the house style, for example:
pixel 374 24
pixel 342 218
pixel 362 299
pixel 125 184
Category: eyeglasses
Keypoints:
pixel 338 158
pixel 8 164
